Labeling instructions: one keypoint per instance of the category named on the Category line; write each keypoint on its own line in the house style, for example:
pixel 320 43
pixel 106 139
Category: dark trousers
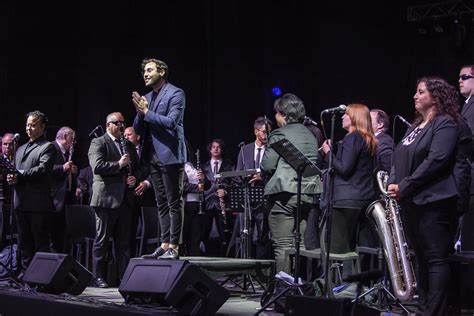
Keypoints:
pixel 60 241
pixel 259 230
pixel 167 182
pixel 33 234
pixel 113 223
pixel 192 227
pixel 429 230
pixel 208 219
pixel 134 221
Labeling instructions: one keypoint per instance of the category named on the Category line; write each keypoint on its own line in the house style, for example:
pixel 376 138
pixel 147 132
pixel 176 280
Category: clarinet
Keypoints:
pixel 123 145
pixel 201 194
pixel 71 152
pixel 222 206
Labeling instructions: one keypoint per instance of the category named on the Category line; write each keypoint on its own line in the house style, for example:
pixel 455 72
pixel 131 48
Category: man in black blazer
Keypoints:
pixel 213 195
pixel 466 87
pixel 249 157
pixel 62 195
pixel 380 124
pixel 116 171
pixel 5 189
pixel 32 200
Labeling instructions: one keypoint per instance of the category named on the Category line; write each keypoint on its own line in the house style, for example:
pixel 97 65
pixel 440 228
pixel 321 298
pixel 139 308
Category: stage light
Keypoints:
pixel 276 91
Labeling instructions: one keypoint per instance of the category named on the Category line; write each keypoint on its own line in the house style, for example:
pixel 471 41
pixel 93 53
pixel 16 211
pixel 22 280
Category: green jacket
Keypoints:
pixel 282 177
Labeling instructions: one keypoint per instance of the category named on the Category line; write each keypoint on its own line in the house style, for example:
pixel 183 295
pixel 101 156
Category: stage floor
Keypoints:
pixel 22 301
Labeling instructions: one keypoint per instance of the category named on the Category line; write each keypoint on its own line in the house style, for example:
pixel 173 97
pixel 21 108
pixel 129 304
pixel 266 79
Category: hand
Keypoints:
pixel 393 191
pixel 255 178
pixel 78 192
pixel 140 103
pixel 201 187
pixel 124 161
pixel 74 169
pixel 12 179
pixel 67 166
pixel 326 147
pixel 131 180
pixel 141 188
pixel 201 176
pixel 220 193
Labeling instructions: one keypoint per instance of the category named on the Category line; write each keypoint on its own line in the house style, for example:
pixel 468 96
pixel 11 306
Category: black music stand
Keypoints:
pixel 10 168
pixel 304 168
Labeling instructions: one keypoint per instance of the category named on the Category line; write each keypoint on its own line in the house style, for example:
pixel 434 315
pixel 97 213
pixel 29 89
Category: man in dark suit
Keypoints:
pixel 33 203
pixel 62 195
pixel 214 196
pixel 5 190
pixel 116 171
pixel 466 87
pixel 281 187
pixel 159 122
pixel 250 157
pixel 380 124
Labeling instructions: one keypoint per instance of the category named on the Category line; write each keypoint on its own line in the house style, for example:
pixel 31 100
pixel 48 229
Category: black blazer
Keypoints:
pixel 212 200
pixel 354 167
pixel 384 151
pixel 59 179
pixel 33 190
pixel 109 184
pixel 429 163
pixel 468 114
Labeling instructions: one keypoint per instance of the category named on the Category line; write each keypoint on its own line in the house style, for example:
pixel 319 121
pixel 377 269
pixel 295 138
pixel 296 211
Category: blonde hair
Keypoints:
pixel 361 122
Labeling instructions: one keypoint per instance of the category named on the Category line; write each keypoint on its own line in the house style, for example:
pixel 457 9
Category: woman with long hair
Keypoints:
pixel 353 170
pixel 422 181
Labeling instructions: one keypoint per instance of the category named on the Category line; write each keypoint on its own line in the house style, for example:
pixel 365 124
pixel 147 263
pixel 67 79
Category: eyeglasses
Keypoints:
pixel 117 123
pixel 465 77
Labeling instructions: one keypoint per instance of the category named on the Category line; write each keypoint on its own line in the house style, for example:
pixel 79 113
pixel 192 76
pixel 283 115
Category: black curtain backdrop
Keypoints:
pixel 78 61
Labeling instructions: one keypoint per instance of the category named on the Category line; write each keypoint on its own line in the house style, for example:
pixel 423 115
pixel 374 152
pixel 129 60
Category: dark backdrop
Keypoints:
pixel 77 61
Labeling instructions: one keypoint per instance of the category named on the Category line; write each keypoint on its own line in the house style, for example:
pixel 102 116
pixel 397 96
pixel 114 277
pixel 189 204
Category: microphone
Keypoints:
pixel 403 120
pixel 94 130
pixel 309 121
pixel 16 137
pixel 341 109
pixel 364 276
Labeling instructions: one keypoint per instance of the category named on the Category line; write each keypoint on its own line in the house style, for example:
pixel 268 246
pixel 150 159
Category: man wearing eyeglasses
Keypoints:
pixel 466 88
pixel 112 197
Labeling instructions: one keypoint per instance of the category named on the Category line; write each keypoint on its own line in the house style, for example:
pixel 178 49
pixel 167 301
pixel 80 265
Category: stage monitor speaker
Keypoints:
pixel 174 283
pixel 297 305
pixel 57 273
pixel 195 293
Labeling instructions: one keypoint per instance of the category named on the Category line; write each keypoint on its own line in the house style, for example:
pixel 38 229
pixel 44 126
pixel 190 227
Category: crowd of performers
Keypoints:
pixel 151 163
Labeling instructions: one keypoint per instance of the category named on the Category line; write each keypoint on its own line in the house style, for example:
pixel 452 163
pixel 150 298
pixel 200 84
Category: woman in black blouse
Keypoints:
pixel 422 181
pixel 353 171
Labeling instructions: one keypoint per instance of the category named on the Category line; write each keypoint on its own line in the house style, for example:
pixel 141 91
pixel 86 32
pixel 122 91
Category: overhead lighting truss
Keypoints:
pixel 440 10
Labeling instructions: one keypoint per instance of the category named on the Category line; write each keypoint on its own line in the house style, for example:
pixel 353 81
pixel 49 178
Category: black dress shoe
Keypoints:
pixel 171 254
pixel 158 252
pixel 99 282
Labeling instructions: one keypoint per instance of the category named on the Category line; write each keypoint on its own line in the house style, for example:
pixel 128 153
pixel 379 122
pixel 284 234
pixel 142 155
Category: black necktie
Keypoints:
pixel 257 160
pixel 216 167
pixel 120 145
pixel 153 98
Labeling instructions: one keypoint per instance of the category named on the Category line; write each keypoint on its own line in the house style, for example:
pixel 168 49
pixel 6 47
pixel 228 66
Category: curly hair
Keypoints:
pixel 444 95
pixel 160 65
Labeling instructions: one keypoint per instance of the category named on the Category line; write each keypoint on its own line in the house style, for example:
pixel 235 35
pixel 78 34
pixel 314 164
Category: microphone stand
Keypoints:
pixel 329 206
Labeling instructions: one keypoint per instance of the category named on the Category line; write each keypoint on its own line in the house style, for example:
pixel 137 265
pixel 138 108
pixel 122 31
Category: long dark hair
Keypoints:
pixel 444 95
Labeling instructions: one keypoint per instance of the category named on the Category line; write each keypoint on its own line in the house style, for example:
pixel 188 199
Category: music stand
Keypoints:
pixel 304 168
pixel 10 168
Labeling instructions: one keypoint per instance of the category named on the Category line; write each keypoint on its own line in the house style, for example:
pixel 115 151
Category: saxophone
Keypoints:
pixel 386 215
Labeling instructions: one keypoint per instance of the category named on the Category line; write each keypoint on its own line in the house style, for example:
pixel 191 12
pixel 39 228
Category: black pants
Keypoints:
pixel 34 230
pixel 222 230
pixel 192 228
pixel 167 182
pixel 113 223
pixel 429 230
